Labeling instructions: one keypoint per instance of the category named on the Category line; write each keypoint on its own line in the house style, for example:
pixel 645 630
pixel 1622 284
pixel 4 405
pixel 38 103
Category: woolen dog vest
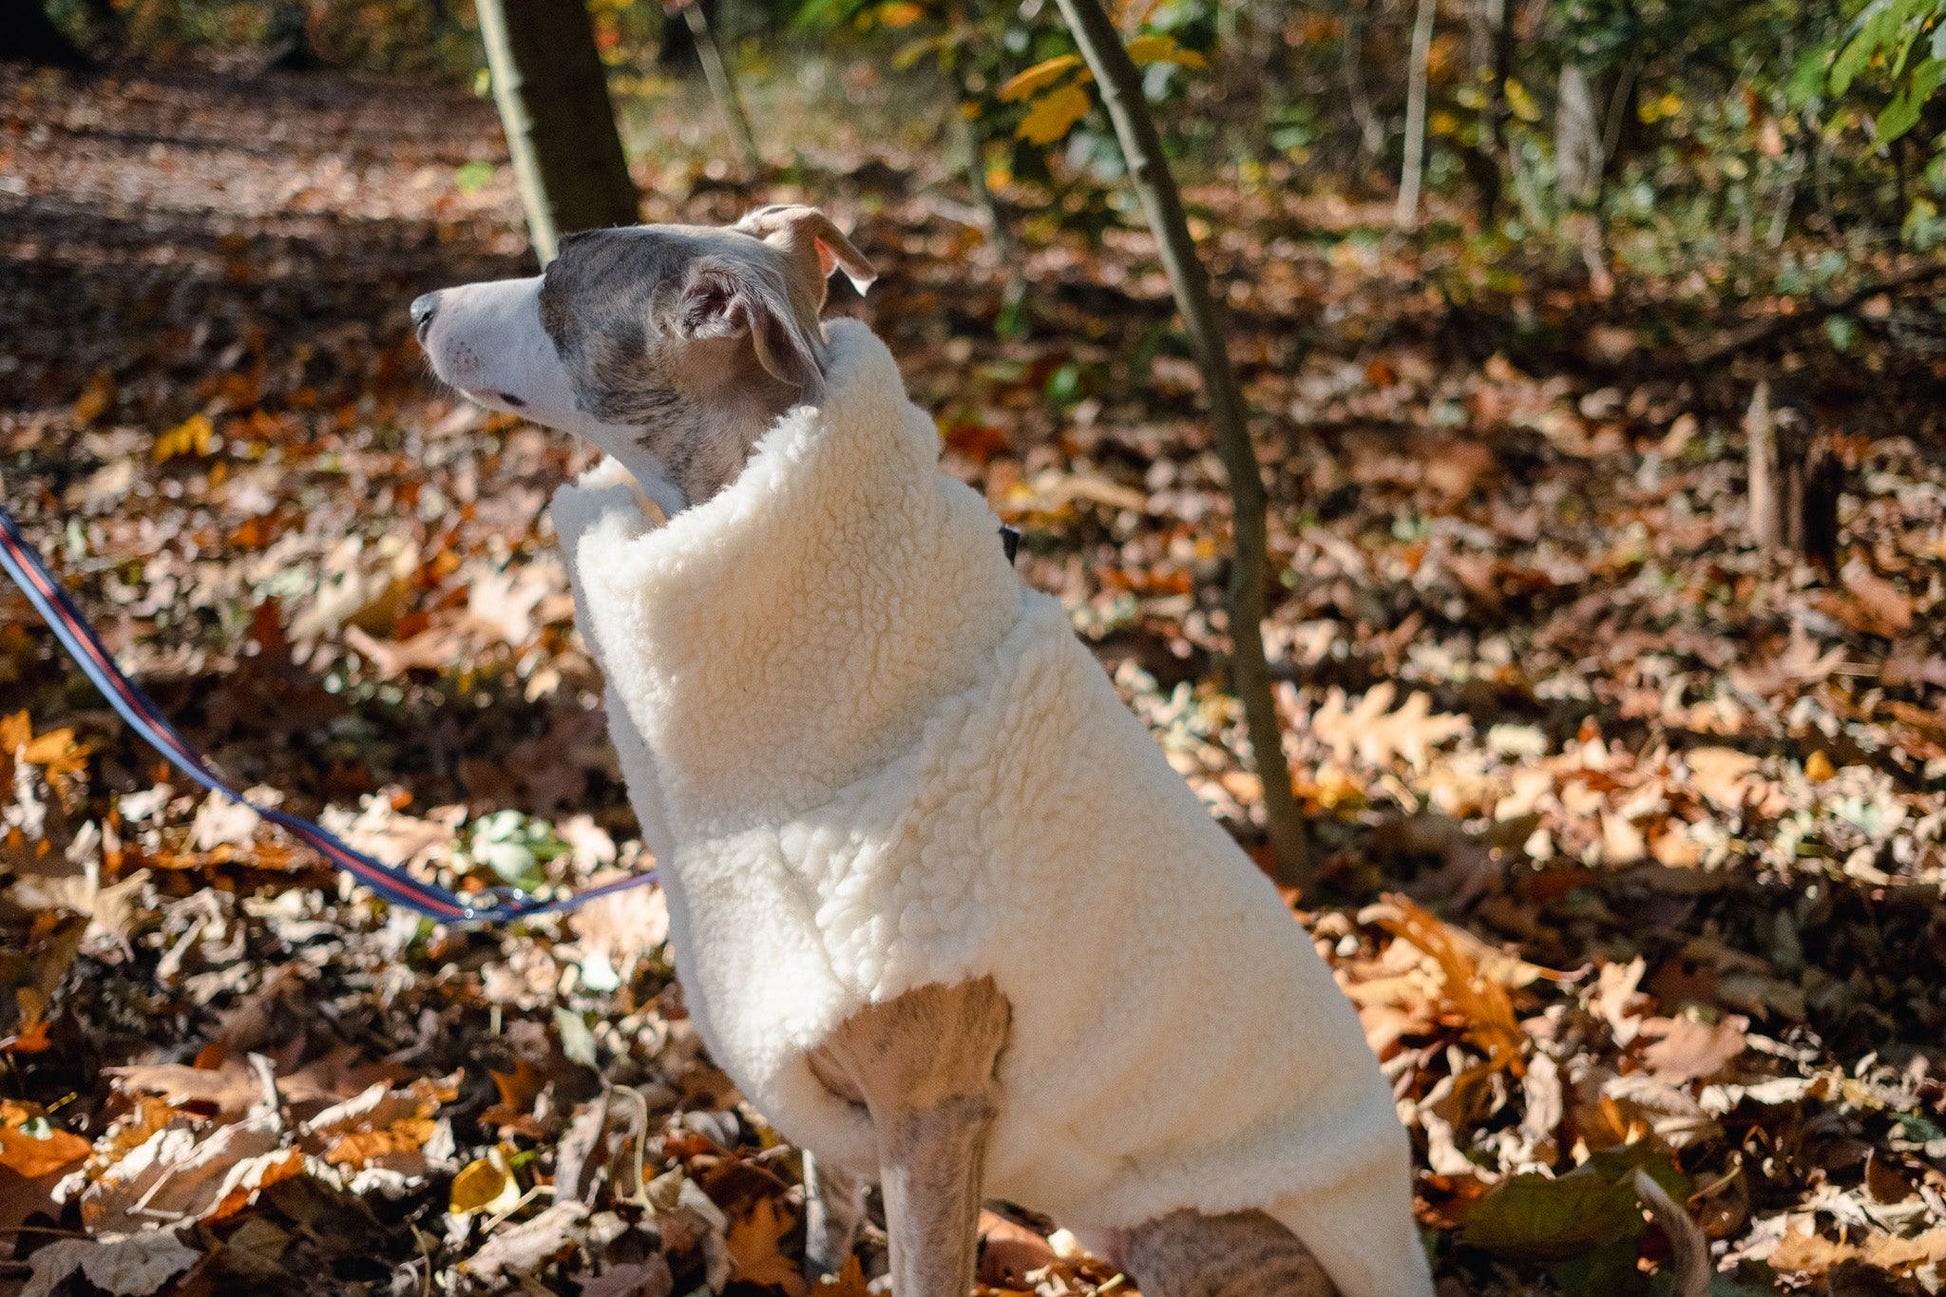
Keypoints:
pixel 868 759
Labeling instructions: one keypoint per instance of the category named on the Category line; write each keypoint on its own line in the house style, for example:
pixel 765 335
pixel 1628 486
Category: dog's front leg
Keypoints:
pixel 931 1161
pixel 923 1065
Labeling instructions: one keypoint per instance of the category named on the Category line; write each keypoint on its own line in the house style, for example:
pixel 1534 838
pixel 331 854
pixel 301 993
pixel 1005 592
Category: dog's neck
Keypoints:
pixel 699 445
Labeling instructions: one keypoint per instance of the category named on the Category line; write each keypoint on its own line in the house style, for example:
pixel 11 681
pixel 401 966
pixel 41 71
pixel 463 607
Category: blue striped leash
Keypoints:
pixel 24 565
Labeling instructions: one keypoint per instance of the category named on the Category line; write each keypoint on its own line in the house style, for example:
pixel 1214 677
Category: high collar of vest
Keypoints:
pixel 791 634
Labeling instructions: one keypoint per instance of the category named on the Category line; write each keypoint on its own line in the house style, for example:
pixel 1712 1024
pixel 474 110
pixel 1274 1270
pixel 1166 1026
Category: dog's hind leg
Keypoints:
pixel 923 1067
pixel 1242 1254
pixel 834 1209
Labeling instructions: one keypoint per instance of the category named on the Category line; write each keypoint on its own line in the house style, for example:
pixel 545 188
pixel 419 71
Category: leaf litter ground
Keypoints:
pixel 1632 834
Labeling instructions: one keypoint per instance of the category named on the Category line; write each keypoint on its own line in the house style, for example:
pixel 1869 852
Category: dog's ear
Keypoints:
pixel 729 299
pixel 812 241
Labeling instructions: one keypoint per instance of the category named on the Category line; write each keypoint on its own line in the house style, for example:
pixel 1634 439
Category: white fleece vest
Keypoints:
pixel 867 758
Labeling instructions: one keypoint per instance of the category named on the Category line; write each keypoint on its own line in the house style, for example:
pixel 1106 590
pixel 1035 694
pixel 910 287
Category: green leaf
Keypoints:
pixel 1902 114
pixel 1606 1271
pixel 1874 26
pixel 1534 1217
pixel 473 176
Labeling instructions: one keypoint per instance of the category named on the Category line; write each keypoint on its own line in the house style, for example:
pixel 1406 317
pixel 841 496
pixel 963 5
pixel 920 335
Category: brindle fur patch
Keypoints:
pixel 612 302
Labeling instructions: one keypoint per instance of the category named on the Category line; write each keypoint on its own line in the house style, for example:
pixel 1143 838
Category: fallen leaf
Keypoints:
pixel 134 1265
pixel 1482 1003
pixel 93 402
pixel 1689 1050
pixel 32 1146
pixel 650 1278
pixel 193 436
pixel 524 1248
pixel 754 1240
pixel 484 1185
pixel 1379 735
pixel 1723 775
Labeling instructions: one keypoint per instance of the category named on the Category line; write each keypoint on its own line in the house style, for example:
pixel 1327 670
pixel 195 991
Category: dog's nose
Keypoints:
pixel 423 309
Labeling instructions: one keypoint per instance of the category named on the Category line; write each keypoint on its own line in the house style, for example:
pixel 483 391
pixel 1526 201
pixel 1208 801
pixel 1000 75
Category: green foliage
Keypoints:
pixel 1585 1226
pixel 1899 44
pixel 1022 88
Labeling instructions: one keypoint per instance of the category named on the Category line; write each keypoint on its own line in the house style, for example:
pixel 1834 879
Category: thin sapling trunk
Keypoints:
pixel 1121 95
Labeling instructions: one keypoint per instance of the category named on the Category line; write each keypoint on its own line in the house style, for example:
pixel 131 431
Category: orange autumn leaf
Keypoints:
pixel 258 1175
pixel 32 1146
pixel 1482 1003
pixel 1037 78
pixel 518 1090
pixel 94 402
pixel 360 1147
pixel 754 1242
pixel 31 1039
pixel 1053 114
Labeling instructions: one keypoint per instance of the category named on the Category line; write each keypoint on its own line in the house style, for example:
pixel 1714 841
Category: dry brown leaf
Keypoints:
pixel 650 1278
pixel 1723 775
pixel 132 1266
pixel 93 402
pixel 524 1248
pixel 379 1123
pixel 177 1176
pixel 1689 1050
pixel 754 1240
pixel 1379 735
pixel 1871 603
pixel 518 1091
pixel 1481 1003
pixel 1808 1252
pixel 226 1091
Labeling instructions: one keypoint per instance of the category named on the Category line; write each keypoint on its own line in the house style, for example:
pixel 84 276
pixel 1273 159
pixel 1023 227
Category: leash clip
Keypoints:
pixel 507 902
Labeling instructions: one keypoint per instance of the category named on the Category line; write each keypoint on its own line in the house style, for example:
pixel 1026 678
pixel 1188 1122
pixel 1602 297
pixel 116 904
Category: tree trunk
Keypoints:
pixel 1412 169
pixel 1577 137
pixel 1121 95
pixel 1371 134
pixel 1495 157
pixel 288 45
pixel 553 98
pixel 723 87
pixel 1795 482
pixel 32 37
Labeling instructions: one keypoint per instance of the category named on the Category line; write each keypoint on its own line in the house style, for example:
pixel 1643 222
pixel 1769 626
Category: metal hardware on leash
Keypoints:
pixel 24 565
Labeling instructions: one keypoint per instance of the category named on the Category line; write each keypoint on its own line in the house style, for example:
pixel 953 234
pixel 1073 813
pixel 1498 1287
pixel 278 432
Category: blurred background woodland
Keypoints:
pixel 1586 357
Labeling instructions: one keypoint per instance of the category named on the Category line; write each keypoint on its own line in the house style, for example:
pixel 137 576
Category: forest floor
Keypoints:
pixel 1632 834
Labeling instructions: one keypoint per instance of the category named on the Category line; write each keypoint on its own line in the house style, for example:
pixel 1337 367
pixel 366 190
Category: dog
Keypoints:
pixel 938 903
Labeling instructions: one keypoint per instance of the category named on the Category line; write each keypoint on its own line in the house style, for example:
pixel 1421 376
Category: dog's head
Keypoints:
pixel 670 347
